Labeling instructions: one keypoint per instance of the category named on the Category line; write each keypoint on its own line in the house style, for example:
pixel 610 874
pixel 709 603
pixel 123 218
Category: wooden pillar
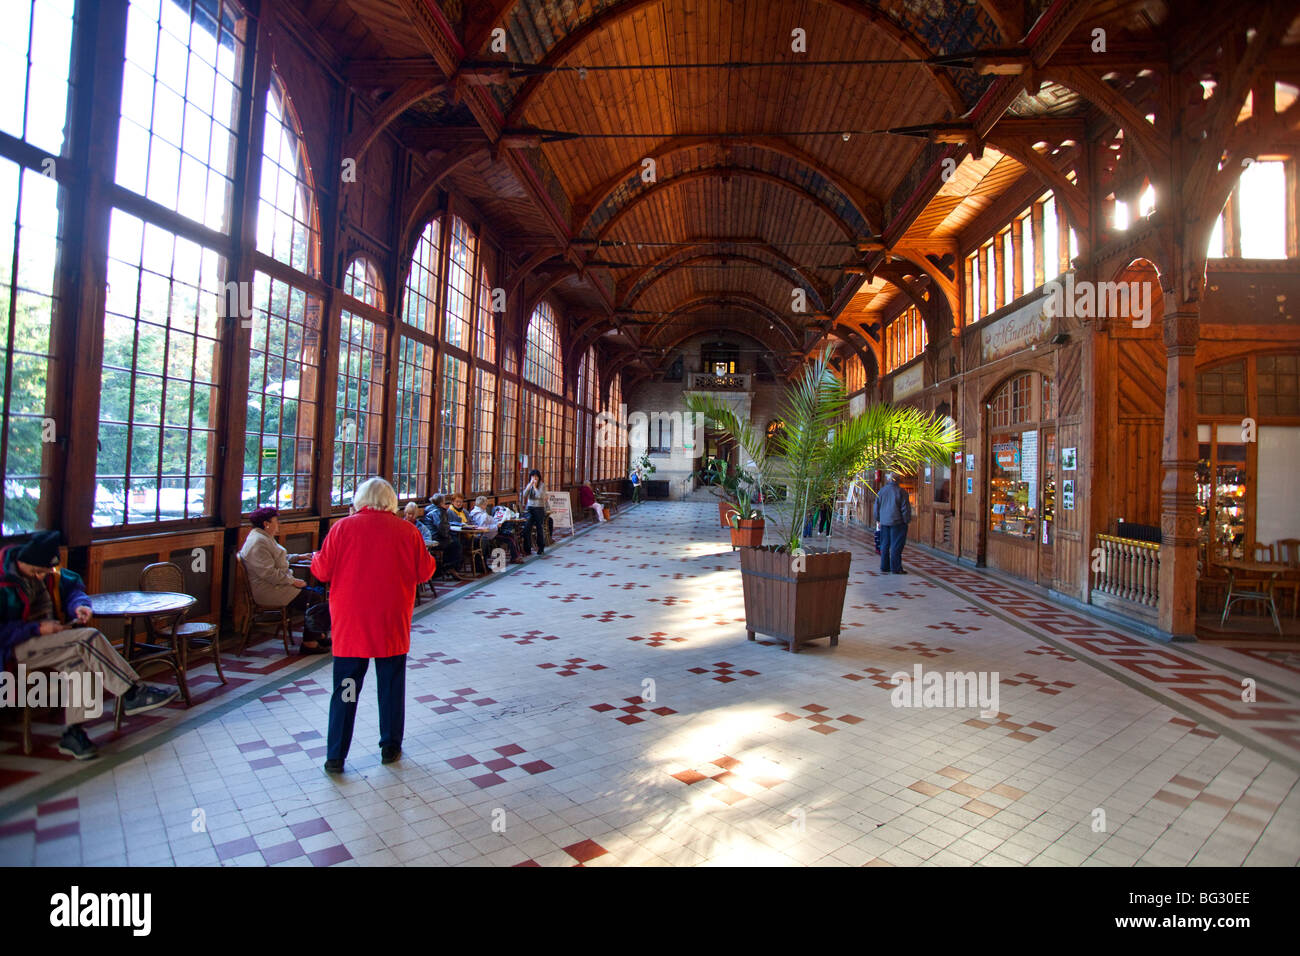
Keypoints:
pixel 1178 520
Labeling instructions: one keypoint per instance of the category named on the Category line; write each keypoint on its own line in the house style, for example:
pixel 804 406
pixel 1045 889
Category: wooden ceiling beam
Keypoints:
pixel 422 195
pixel 426 138
pixel 398 102
pixel 389 74
pixel 723 257
pixel 726 297
pixel 869 207
pixel 721 172
pixel 558 53
pixel 747 243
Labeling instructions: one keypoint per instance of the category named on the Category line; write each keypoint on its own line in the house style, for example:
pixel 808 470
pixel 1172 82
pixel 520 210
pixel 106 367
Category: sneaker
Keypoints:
pixel 390 754
pixel 77 745
pixel 142 698
pixel 333 766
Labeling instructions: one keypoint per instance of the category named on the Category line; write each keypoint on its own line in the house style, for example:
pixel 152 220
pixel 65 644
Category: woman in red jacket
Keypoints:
pixel 373 561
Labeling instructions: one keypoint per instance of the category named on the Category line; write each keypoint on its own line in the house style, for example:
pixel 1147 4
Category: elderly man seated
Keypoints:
pixel 440 520
pixel 480 518
pixel 45 624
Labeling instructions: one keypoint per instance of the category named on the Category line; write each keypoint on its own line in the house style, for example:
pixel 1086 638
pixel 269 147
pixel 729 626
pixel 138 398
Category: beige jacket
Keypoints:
pixel 267 564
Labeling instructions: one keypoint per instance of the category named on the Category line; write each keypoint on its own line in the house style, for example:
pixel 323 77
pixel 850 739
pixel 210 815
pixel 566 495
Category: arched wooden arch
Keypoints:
pixel 725 298
pixel 717 256
pixel 867 206
pixel 744 245
pixel 717 172
pixel 558 53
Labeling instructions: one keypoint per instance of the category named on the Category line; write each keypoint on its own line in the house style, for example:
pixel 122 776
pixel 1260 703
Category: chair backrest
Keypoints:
pixel 1263 552
pixel 162 576
pixel 1288 551
pixel 245 584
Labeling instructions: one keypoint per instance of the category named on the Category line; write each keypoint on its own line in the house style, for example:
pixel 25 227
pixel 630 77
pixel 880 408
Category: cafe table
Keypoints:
pixel 130 605
pixel 1259 571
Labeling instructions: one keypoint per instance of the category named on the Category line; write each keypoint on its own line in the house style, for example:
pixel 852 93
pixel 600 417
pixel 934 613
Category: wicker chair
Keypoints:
pixel 184 635
pixel 260 614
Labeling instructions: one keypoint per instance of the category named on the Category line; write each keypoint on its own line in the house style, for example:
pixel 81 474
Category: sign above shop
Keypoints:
pixel 1028 325
pixel 909 381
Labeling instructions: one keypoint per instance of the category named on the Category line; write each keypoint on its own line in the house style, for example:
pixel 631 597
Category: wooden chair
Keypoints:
pixel 260 614
pixel 184 635
pixel 1287 551
pixel 435 549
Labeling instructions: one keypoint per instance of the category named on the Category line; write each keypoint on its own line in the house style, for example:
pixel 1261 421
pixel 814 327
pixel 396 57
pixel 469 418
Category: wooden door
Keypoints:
pixel 1047 505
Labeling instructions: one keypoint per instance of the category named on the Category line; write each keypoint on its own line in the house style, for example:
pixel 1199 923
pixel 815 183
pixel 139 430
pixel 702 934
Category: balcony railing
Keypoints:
pixel 1129 570
pixel 711 382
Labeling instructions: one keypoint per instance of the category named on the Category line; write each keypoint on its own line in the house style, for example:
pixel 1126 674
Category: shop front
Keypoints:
pixel 1022 478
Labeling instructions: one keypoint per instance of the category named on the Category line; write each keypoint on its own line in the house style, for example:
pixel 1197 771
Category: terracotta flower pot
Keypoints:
pixel 794 600
pixel 748 533
pixel 725 508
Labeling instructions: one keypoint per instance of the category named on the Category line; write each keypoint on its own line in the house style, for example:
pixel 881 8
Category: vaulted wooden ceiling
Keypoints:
pixel 775 172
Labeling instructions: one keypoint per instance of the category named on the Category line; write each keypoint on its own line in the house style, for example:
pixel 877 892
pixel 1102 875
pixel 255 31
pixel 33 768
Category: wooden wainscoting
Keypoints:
pixel 115 565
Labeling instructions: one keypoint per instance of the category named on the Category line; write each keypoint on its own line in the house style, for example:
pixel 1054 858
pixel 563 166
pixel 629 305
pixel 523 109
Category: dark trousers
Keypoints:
pixel 536 519
pixel 305 599
pixel 390 677
pixel 451 554
pixel 892 539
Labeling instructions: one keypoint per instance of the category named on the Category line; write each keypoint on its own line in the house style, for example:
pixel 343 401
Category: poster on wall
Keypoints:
pixel 927 474
pixel 1069 459
pixel 1067 494
pixel 970 462
pixel 970 486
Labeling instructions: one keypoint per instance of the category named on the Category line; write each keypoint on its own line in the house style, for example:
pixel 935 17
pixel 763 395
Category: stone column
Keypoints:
pixel 1178 550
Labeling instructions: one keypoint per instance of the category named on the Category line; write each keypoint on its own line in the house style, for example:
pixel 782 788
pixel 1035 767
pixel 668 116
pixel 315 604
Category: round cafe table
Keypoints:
pixel 130 605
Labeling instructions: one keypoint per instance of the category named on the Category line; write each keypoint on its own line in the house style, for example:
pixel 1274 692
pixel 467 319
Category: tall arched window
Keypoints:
pixel 359 410
pixel 34 110
pixel 588 405
pixel 415 367
pixel 157 453
pixel 462 262
pixel 542 419
pixel 485 386
pixel 285 328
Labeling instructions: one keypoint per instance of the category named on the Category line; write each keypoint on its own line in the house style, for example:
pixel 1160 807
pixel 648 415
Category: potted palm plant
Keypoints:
pixel 744 520
pixel 791 593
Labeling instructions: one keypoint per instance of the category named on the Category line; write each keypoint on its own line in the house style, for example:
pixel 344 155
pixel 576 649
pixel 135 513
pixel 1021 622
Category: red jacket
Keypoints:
pixel 372 561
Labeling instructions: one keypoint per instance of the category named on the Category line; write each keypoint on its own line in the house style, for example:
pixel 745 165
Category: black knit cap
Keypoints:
pixel 41 549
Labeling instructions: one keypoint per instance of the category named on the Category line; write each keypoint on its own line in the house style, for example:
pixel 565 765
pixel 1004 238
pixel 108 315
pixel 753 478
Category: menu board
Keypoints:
pixel 560 509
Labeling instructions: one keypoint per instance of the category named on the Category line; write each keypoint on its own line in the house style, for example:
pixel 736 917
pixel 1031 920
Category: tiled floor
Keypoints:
pixel 601 707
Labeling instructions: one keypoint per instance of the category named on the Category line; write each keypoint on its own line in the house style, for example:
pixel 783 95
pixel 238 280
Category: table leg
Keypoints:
pixel 1227 597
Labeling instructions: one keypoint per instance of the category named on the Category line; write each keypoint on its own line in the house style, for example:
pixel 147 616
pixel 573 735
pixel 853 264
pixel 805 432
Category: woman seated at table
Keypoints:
pixel 273 585
pixel 480 518
pixel 587 498
pixel 457 512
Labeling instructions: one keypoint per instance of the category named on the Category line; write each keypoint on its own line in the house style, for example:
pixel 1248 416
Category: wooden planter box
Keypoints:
pixel 725 508
pixel 748 534
pixel 796 607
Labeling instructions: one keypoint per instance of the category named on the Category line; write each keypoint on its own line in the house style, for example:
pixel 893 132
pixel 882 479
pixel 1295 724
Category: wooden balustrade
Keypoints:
pixel 1130 570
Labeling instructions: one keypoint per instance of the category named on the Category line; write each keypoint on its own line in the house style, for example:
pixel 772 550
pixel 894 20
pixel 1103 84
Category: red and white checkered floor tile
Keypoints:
pixel 1100 748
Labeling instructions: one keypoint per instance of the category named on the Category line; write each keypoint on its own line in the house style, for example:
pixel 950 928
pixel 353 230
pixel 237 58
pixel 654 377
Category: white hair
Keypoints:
pixel 375 493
